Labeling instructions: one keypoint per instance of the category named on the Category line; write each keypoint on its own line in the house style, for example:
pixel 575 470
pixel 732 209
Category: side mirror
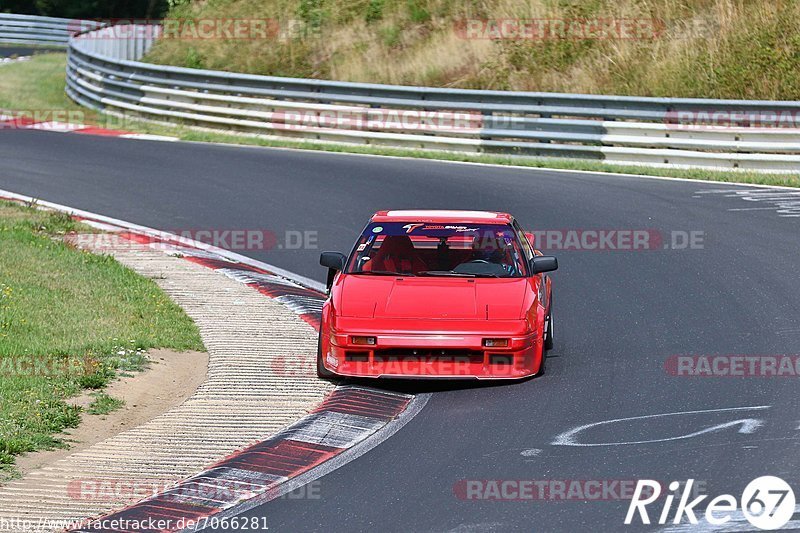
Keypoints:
pixel 531 238
pixel 544 263
pixel 335 262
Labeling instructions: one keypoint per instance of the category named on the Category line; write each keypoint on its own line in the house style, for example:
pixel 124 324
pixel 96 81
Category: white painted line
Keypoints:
pixel 748 425
pixel 533 452
pixel 753 209
pixel 60 127
pixel 786 204
pixel 306 282
pixel 148 137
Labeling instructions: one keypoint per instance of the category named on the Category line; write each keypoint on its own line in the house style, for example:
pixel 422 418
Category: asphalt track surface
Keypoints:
pixel 619 316
pixel 9 50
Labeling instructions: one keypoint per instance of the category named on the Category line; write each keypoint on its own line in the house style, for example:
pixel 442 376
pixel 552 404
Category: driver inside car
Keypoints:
pixel 493 249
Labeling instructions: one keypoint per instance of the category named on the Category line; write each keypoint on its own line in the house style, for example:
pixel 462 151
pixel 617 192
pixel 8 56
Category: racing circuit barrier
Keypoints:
pixel 104 72
pixel 43 31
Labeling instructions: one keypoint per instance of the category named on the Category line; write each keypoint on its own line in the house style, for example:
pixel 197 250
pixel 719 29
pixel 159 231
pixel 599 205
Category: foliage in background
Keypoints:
pixel 87 9
pixel 704 48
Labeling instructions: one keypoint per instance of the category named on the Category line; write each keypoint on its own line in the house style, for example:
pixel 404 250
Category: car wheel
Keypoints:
pixel 322 372
pixel 542 366
pixel 549 340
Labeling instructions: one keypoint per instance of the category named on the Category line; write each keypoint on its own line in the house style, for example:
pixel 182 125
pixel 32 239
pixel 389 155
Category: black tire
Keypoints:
pixel 549 341
pixel 543 365
pixel 322 372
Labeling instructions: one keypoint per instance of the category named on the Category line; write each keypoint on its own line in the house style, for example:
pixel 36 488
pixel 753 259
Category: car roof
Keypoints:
pixel 442 215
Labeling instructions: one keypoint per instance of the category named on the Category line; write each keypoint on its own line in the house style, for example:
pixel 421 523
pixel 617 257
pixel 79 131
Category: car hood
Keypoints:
pixel 432 298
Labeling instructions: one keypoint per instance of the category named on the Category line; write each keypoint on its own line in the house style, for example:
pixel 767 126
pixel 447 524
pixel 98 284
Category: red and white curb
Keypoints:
pixel 349 416
pixel 15 122
pixel 348 423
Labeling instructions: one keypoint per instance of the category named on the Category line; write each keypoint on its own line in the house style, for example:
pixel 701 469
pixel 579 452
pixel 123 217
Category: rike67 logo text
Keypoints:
pixel 767 503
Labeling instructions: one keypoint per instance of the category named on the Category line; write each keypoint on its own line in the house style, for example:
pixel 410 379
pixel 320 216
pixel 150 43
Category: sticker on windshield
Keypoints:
pixel 460 229
pixel 377 229
pixel 437 227
pixel 361 247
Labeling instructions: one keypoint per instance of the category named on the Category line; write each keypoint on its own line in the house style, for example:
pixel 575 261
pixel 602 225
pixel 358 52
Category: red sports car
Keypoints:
pixel 447 294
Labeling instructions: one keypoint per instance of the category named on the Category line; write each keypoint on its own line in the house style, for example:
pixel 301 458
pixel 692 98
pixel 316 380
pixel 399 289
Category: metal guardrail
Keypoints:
pixel 43 31
pixel 104 73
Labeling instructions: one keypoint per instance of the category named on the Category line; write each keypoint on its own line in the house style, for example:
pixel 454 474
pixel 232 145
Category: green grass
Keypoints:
pixel 103 404
pixel 36 85
pixel 69 320
pixel 27 73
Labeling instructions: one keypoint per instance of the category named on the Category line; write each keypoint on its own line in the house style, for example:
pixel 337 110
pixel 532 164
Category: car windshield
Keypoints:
pixel 436 249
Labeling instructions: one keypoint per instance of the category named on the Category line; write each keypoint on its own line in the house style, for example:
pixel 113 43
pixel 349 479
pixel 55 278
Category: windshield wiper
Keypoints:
pixel 381 273
pixel 448 273
pixel 453 274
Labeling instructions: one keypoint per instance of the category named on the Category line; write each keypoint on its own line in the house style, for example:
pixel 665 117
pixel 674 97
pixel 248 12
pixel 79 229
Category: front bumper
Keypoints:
pixel 450 356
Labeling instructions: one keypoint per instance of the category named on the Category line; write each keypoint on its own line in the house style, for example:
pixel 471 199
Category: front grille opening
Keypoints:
pixel 501 359
pixel 356 357
pixel 429 355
